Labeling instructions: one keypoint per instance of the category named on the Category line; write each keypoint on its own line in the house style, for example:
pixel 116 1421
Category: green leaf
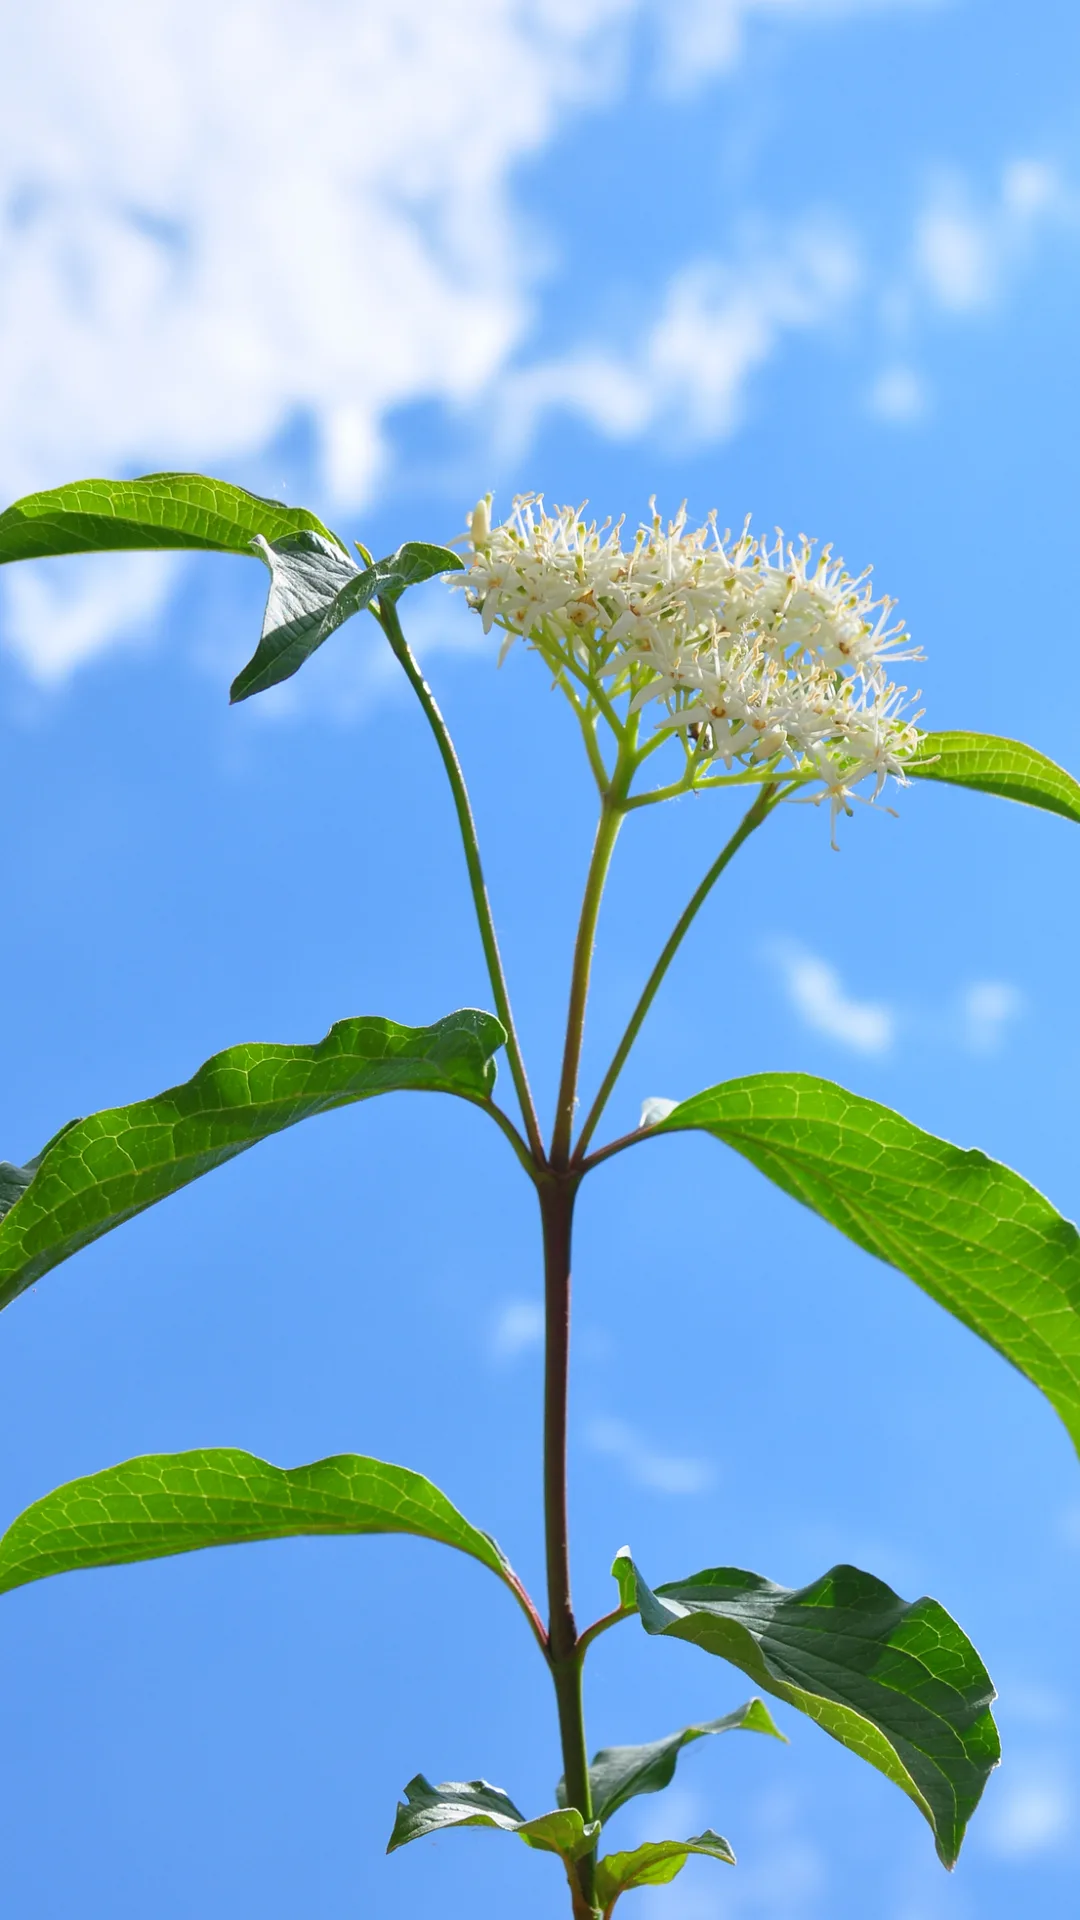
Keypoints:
pixel 314 589
pixel 616 1774
pixel 654 1864
pixel 428 1809
pixel 895 1681
pixel 99 1172
pixel 991 765
pixel 970 1232
pixel 158 510
pixel 162 1504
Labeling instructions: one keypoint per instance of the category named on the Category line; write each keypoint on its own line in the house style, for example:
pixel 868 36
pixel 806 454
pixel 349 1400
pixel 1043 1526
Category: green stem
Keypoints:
pixel 505 1125
pixel 587 723
pixel 612 808
pixel 751 819
pixel 600 1626
pixel 391 626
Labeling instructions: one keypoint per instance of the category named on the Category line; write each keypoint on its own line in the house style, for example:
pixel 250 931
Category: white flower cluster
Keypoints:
pixel 761 655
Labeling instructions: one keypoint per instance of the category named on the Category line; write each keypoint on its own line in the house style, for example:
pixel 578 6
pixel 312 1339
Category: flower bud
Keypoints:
pixel 480 523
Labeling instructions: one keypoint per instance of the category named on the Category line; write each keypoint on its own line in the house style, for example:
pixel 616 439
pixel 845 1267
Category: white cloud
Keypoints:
pixel 816 992
pixel 899 395
pixel 518 1327
pixel 213 226
pixel 212 223
pixel 703 37
pixel 660 1472
pixel 988 1006
pixel 964 250
pixel 212 220
pixel 717 323
pixel 1031 1814
pixel 56 613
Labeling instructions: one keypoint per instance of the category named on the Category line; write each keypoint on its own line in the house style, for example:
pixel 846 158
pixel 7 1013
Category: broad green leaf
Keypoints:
pixel 896 1681
pixel 974 1235
pixel 314 589
pixel 474 1803
pixel 653 1865
pixel 158 510
pixel 99 1172
pixel 616 1774
pixel 991 765
pixel 163 1504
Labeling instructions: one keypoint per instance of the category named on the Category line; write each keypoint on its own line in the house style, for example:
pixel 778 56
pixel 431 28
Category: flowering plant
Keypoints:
pixel 736 664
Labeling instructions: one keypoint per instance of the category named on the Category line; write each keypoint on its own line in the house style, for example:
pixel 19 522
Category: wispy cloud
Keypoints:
pixel 717 322
pixel 1032 1813
pixel 976 1020
pixel 817 993
pixel 899 394
pixel 988 1008
pixel 702 37
pixel 518 1327
pixel 57 612
pixel 649 1467
pixel 965 245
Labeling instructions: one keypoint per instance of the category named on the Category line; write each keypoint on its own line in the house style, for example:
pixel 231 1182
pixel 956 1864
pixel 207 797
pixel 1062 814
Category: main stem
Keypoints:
pixel 565 1654
pixel 557 1191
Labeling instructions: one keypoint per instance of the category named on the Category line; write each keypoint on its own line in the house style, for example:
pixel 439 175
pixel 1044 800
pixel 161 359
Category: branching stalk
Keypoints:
pixel 750 820
pixel 612 808
pixel 391 626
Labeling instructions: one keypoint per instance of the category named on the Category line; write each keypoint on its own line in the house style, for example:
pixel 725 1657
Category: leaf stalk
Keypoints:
pixel 386 614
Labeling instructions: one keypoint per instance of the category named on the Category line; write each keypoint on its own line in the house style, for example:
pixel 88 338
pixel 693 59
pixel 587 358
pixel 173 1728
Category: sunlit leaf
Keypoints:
pixel 895 1681
pixel 169 1503
pixel 988 764
pixel 973 1234
pixel 616 1774
pixel 158 510
pixel 428 1809
pixel 99 1172
pixel 653 1865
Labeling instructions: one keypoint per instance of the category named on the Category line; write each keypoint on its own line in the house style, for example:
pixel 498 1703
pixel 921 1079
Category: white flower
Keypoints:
pixel 772 657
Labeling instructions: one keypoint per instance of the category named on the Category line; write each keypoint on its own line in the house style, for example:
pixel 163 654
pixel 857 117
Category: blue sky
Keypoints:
pixel 820 262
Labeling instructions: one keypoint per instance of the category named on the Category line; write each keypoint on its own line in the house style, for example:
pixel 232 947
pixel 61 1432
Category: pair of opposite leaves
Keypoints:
pixel 973 1234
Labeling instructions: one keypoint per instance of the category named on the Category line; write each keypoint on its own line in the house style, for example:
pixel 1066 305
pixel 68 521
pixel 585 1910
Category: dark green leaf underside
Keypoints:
pixel 973 1234
pixel 897 1682
pixel 429 1809
pixel 164 1504
pixel 654 1864
pixel 617 1774
pixel 101 1171
pixel 314 589
pixel 158 510
pixel 988 764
